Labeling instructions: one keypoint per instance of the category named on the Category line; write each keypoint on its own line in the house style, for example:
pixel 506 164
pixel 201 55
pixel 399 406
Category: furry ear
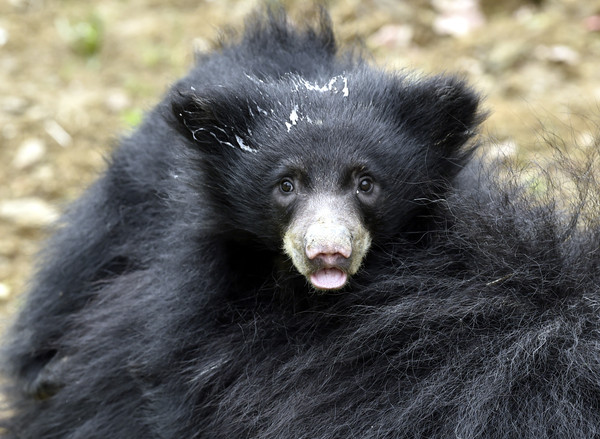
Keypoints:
pixel 445 110
pixel 213 121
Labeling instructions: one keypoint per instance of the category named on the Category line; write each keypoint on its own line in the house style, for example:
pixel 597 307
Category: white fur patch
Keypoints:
pixel 244 147
pixel 335 85
pixel 293 118
pixel 294 115
pixel 331 86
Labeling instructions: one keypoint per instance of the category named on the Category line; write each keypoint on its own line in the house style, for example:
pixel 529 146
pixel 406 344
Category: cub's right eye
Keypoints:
pixel 286 186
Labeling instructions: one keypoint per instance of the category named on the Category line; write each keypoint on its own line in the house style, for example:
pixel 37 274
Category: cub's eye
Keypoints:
pixel 365 185
pixel 286 186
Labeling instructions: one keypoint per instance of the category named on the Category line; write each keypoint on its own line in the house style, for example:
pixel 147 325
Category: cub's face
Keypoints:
pixel 326 207
pixel 327 238
pixel 323 172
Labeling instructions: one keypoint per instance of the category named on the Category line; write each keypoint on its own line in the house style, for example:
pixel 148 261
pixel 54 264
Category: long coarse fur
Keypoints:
pixel 158 313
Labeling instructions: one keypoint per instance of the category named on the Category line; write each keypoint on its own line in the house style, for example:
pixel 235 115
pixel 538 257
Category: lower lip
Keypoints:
pixel 328 279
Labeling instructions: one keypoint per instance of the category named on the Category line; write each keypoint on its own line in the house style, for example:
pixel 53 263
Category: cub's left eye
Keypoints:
pixel 286 186
pixel 365 185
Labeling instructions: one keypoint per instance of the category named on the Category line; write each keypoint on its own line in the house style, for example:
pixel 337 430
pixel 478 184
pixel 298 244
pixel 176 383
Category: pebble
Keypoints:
pixel 503 150
pixel 4 291
pixel 592 23
pixel 58 133
pixel 30 152
pixel 3 36
pixel 393 36
pixel 28 212
pixel 457 17
pixel 13 105
pixel 558 54
pixel 117 101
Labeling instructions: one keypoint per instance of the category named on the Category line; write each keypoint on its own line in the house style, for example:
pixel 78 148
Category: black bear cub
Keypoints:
pixel 283 250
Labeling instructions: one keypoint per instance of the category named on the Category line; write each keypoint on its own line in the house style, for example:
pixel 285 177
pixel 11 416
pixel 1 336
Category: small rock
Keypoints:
pixel 457 17
pixel 58 133
pixel 3 36
pixel 201 45
pixel 592 23
pixel 587 139
pixel 4 291
pixel 393 36
pixel 503 150
pixel 28 212
pixel 14 105
pixel 117 101
pixel 559 54
pixel 29 153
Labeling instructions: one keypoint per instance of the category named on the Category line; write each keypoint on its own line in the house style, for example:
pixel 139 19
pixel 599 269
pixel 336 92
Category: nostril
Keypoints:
pixel 331 259
pixel 315 251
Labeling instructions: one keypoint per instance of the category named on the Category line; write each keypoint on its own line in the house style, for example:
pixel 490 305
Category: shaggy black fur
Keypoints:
pixel 165 308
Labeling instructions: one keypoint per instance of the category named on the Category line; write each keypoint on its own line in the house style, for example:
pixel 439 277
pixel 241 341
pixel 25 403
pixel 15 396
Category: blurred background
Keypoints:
pixel 75 76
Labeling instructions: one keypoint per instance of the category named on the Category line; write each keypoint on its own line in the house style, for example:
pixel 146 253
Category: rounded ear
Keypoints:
pixel 211 120
pixel 444 109
pixel 458 113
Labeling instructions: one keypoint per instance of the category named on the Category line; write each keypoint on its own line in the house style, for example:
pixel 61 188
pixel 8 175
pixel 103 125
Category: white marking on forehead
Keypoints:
pixel 293 118
pixel 335 85
pixel 294 115
pixel 244 147
pixel 331 86
pixel 345 90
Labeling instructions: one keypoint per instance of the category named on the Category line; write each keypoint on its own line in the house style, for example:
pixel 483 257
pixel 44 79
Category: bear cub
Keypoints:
pixel 283 250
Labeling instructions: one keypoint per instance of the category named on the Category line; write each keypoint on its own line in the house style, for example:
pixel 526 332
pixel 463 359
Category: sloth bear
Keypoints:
pixel 295 244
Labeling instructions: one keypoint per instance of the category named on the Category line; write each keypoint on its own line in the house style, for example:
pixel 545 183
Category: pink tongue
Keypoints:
pixel 329 279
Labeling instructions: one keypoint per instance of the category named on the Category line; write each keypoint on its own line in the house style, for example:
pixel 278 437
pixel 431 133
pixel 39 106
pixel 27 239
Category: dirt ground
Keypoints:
pixel 74 76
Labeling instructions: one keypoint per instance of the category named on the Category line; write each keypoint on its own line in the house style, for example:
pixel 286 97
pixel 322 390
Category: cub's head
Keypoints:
pixel 323 170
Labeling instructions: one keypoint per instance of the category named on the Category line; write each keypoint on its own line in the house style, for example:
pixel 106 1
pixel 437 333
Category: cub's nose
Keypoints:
pixel 328 242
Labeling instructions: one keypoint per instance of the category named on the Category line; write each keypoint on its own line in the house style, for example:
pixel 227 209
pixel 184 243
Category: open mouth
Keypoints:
pixel 328 278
